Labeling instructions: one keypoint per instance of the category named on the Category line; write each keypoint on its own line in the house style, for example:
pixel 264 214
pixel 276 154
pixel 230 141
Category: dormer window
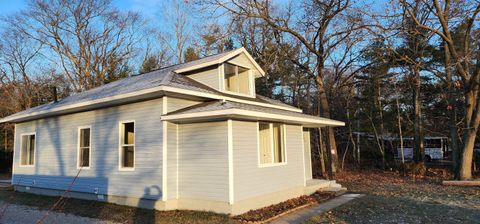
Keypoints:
pixel 236 79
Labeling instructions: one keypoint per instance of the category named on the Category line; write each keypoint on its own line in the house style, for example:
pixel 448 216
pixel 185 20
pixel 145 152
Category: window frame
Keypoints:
pixel 250 80
pixel 89 147
pixel 272 147
pixel 34 149
pixel 120 145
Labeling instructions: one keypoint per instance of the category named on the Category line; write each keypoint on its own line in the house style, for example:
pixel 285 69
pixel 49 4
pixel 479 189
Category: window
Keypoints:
pixel 27 155
pixel 236 78
pixel 127 145
pixel 271 143
pixel 84 144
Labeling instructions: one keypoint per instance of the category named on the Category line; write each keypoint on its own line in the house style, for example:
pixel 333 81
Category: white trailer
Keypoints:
pixel 436 148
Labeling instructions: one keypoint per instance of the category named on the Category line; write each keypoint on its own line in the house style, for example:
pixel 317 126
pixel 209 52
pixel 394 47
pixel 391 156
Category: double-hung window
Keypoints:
pixel 84 146
pixel 127 145
pixel 27 154
pixel 271 137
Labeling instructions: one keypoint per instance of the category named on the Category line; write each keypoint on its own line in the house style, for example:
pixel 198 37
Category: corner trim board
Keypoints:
pixel 230 162
pixel 164 160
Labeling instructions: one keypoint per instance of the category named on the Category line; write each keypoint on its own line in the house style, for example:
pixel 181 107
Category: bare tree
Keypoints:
pixel 17 53
pixel 88 40
pixel 321 27
pixel 464 57
pixel 176 16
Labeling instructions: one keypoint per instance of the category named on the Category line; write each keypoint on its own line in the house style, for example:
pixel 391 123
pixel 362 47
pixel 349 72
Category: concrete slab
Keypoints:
pixel 303 215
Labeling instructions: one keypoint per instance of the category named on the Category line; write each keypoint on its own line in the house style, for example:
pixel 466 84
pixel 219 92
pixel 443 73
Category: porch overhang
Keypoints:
pixel 242 114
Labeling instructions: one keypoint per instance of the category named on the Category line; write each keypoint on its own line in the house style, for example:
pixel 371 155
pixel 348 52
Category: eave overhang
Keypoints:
pixel 242 114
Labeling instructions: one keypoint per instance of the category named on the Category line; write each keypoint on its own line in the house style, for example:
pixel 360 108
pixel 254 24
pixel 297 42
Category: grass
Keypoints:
pixel 392 198
pixel 112 212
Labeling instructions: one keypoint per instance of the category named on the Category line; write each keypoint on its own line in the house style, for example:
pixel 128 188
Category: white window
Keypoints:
pixel 84 146
pixel 271 143
pixel 236 79
pixel 27 153
pixel 127 145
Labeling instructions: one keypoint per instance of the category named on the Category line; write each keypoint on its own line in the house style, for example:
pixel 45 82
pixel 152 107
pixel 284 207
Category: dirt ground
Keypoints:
pixel 5 176
pixel 9 201
pixel 392 198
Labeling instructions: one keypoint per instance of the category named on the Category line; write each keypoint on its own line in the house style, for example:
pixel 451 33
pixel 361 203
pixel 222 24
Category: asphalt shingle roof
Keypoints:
pixel 216 105
pixel 162 77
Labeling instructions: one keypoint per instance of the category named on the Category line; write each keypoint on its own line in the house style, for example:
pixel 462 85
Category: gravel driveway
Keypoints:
pixel 21 214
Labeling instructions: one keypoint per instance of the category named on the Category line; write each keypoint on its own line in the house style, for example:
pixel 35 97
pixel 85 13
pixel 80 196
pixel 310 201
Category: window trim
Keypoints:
pixel 120 128
pixel 21 149
pixel 251 81
pixel 89 148
pixel 272 148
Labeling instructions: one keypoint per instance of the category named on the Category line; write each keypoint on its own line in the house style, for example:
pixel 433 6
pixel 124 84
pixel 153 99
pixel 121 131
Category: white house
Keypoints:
pixel 189 136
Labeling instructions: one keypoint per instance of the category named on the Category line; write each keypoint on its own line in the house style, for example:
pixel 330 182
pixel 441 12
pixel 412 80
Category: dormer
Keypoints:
pixel 232 72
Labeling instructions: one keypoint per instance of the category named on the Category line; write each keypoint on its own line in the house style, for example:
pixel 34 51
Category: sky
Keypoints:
pixel 147 7
pixel 152 11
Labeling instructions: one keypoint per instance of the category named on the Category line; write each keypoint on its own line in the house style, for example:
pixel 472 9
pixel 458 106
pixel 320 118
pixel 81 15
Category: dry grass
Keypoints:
pixel 112 212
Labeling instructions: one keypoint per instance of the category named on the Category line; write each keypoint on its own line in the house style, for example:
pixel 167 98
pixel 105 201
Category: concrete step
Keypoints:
pixel 323 185
pixel 337 190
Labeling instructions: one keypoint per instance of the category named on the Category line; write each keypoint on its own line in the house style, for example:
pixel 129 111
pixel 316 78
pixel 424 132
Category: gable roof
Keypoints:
pixel 217 109
pixel 141 87
pixel 218 59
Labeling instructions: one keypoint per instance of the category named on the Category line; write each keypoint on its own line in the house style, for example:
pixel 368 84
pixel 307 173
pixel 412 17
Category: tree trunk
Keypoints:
pixel 331 146
pixel 472 115
pixel 452 115
pixel 382 127
pixel 467 156
pixel 321 154
pixel 350 134
pixel 399 123
pixel 417 126
pixel 331 154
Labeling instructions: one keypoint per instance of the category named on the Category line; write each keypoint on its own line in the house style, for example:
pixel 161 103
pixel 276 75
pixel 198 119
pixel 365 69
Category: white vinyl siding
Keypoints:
pixel 174 104
pixel 172 165
pixel 203 161
pixel 56 152
pixel 208 77
pixel 250 180
pixel 308 155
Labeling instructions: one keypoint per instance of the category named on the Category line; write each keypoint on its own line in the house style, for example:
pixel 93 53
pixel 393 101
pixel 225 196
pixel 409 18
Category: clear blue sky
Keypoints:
pixel 147 7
